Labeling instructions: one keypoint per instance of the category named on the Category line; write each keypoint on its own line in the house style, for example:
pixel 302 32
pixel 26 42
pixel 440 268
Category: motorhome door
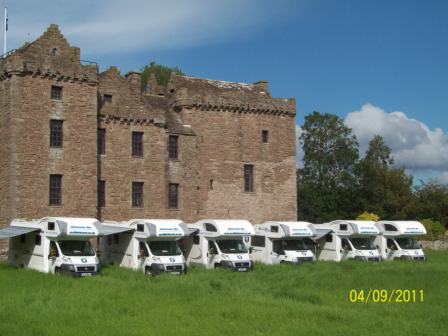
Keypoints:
pixel 346 248
pixel 277 252
pixel 53 254
pixel 142 254
pixel 212 253
pixel 392 249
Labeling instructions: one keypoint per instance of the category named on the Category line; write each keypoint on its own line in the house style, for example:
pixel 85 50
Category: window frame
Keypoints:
pixel 248 175
pixel 56 92
pixel 173 199
pixel 173 147
pixel 55 190
pixel 137 197
pixel 265 136
pixel 56 133
pixel 101 193
pixel 101 141
pixel 137 144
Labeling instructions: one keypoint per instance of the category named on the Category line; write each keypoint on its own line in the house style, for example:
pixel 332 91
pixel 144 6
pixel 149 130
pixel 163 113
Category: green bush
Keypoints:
pixel 434 229
pixel 368 216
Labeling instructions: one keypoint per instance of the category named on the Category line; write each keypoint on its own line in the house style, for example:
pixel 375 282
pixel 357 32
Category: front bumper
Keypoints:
pixel 417 258
pixel 374 259
pixel 80 270
pixel 175 269
pixel 238 266
pixel 299 261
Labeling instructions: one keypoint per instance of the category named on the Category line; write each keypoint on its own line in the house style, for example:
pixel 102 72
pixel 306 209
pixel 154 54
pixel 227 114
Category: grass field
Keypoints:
pixel 273 300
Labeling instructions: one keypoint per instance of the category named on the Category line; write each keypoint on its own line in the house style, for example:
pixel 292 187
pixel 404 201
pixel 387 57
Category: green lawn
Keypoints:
pixel 273 300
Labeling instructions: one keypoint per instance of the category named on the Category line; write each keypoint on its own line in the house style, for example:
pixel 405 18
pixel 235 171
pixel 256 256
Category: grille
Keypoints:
pixel 174 268
pixel 306 259
pixel 85 268
pixel 373 259
pixel 242 264
pixel 419 258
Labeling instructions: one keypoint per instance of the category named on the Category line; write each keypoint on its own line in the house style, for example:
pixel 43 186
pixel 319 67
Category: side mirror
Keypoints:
pixel 141 254
pixel 251 249
pixel 377 247
pixel 98 253
pixel 421 246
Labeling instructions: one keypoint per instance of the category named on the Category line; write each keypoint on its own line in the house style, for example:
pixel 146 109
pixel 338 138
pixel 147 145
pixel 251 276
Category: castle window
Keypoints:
pixel 248 178
pixel 54 51
pixel 56 133
pixel 173 195
pixel 137 194
pixel 137 143
pixel 172 147
pixel 55 190
pixel 56 92
pixel 265 136
pixel 101 193
pixel 101 141
pixel 107 99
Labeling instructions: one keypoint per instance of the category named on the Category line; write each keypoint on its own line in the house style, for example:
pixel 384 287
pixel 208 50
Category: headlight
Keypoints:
pixel 156 259
pixel 66 259
pixel 225 256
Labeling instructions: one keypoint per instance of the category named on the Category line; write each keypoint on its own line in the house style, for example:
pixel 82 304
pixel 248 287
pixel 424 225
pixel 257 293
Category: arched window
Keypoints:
pixel 54 51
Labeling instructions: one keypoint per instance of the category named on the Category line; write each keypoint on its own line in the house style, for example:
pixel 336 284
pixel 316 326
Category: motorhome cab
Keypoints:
pixel 53 245
pixel 350 239
pixel 219 243
pixel 282 242
pixel 397 240
pixel 149 245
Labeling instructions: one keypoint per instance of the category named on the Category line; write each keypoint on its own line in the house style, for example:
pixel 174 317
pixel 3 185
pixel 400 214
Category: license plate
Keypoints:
pixel 86 274
pixel 242 269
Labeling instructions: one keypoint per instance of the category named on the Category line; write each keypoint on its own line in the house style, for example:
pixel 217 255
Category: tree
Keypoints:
pixel 326 183
pixel 432 202
pixel 434 229
pixel 370 216
pixel 162 74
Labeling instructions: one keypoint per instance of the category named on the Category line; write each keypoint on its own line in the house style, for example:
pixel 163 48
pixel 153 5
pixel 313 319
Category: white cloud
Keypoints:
pixel 414 145
pixel 102 26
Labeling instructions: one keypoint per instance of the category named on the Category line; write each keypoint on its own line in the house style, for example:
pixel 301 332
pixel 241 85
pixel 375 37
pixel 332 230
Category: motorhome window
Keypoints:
pixel 37 239
pixel 164 248
pixel 277 247
pixel 258 241
pixel 329 238
pixel 231 246
pixel 389 227
pixel 140 227
pixel 343 227
pixel 53 249
pixel 362 243
pixel 143 250
pixel 210 227
pixel 50 226
pixel 196 240
pixel 391 244
pixel 212 247
pixel 294 245
pixel 345 245
pixel 116 239
pixel 274 228
pixel 23 239
pixel 73 248
pixel 408 243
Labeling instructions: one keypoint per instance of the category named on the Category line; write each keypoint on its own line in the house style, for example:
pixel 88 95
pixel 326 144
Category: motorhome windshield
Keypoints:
pixel 73 248
pixel 362 243
pixel 294 245
pixel 408 243
pixel 231 246
pixel 164 248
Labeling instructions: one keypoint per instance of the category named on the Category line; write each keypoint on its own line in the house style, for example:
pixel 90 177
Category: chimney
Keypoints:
pixel 262 86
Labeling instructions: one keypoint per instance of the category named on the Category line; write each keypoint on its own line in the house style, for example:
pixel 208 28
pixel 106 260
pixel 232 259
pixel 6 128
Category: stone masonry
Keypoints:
pixel 218 125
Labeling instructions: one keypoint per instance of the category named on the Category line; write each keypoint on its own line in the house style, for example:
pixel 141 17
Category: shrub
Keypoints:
pixel 368 216
pixel 434 229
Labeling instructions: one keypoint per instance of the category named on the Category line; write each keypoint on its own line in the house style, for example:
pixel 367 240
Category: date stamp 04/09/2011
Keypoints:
pixel 386 295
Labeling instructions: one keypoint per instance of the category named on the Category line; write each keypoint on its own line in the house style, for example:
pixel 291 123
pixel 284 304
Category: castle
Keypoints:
pixel 77 142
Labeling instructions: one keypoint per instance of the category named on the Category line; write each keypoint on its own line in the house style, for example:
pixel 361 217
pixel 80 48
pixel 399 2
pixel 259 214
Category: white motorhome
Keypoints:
pixel 53 245
pixel 149 245
pixel 219 243
pixel 397 240
pixel 349 239
pixel 282 242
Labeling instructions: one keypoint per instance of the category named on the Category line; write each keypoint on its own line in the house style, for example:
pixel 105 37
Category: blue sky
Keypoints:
pixel 381 65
